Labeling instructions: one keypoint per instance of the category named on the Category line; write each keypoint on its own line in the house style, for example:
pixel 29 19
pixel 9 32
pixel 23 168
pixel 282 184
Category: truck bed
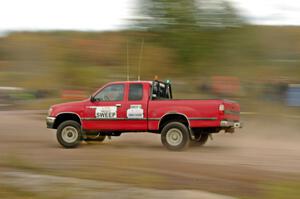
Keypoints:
pixel 200 113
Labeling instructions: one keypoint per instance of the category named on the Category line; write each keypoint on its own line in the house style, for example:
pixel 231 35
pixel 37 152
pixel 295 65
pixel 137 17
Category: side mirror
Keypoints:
pixel 92 99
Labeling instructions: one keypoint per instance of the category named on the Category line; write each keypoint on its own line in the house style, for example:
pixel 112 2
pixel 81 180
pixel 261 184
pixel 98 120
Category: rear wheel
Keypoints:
pixel 69 134
pixel 175 136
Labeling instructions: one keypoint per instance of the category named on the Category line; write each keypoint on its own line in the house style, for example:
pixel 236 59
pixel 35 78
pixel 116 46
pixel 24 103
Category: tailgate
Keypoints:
pixel 231 111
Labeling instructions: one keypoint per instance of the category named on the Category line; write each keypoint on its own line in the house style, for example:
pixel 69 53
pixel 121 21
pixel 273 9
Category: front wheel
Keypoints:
pixel 175 136
pixel 69 134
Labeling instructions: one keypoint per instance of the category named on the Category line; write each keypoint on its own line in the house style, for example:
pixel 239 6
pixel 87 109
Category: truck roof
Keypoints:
pixel 134 81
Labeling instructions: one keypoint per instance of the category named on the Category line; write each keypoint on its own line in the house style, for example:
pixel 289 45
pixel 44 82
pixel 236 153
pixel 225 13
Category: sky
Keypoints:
pixel 101 15
pixel 63 14
pixel 270 12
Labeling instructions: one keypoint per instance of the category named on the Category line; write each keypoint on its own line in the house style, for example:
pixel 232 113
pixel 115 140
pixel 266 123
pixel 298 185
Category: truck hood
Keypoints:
pixel 74 107
pixel 69 104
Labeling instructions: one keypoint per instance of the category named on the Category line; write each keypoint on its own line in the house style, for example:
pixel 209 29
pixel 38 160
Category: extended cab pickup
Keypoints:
pixel 142 106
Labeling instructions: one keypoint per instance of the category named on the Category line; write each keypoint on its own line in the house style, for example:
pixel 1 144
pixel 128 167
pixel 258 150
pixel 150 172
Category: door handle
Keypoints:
pixel 118 105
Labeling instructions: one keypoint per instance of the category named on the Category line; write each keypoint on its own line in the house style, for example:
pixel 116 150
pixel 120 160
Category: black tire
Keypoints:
pixel 201 139
pixel 74 134
pixel 100 138
pixel 179 131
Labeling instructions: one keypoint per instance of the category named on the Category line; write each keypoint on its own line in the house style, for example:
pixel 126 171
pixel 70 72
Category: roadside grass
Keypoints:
pixel 278 190
pixel 134 178
pixel 123 171
pixel 15 193
pixel 128 173
pixel 41 104
pixel 12 192
pixel 15 162
pixel 282 190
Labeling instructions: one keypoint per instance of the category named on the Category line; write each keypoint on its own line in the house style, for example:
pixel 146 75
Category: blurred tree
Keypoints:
pixel 217 14
pixel 166 15
pixel 162 15
pixel 187 27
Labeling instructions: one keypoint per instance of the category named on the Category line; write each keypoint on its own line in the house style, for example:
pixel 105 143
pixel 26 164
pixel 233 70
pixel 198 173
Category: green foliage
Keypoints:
pixel 15 193
pixel 162 15
pixel 185 16
pixel 285 190
pixel 13 161
pixel 179 22
pixel 72 60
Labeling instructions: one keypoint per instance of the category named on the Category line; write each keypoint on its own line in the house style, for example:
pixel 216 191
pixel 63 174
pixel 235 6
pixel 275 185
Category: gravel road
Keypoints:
pixel 265 150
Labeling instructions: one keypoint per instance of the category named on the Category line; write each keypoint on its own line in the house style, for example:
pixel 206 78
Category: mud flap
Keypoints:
pixel 192 135
pixel 229 130
pixel 83 134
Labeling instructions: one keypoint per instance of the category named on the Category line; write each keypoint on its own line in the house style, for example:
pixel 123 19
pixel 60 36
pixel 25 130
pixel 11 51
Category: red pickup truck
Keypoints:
pixel 142 106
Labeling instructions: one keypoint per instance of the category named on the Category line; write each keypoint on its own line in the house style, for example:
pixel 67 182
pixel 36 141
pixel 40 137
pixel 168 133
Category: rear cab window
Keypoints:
pixel 135 92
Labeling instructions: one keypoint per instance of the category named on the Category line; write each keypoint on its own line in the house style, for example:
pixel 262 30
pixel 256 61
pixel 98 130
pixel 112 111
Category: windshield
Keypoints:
pixel 113 92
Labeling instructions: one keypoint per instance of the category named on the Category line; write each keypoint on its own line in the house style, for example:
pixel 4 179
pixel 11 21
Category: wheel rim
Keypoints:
pixel 69 134
pixel 174 137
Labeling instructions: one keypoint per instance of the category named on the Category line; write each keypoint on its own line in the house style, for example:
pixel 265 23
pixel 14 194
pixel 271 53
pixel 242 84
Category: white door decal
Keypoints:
pixel 135 112
pixel 106 112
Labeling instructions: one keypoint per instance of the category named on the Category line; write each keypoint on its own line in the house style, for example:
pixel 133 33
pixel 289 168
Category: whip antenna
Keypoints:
pixel 127 61
pixel 140 60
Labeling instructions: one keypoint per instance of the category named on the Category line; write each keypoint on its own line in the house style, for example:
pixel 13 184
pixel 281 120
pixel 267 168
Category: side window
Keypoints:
pixel 111 93
pixel 135 92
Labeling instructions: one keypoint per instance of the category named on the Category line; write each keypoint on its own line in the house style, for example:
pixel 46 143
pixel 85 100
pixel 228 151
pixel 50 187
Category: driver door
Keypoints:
pixel 107 112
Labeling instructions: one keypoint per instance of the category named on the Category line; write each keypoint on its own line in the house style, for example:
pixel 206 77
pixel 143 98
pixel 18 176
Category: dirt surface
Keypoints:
pixel 80 188
pixel 266 150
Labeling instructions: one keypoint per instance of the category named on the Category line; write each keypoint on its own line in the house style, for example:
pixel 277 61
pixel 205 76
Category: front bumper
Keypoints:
pixel 230 124
pixel 50 122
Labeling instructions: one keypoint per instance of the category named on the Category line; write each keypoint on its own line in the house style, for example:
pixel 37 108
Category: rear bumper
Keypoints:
pixel 50 122
pixel 230 124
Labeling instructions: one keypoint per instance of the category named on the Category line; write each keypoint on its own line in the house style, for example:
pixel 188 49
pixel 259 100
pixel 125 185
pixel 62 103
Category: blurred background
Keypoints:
pixel 207 48
pixel 248 51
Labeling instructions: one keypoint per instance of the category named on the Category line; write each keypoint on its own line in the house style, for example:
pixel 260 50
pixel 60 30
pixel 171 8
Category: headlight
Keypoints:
pixel 50 111
pixel 221 107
